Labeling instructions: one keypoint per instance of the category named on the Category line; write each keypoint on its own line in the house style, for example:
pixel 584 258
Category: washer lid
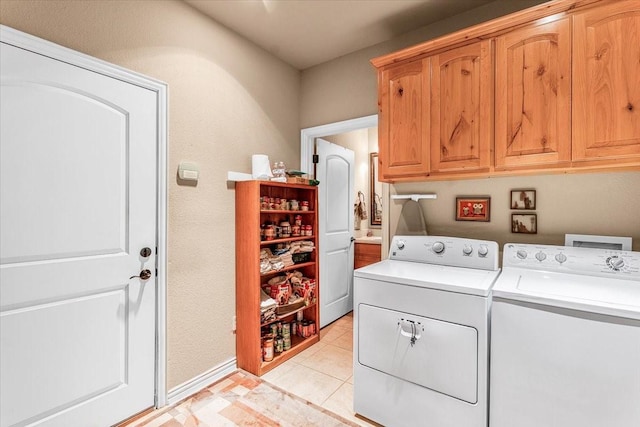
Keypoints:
pixel 614 297
pixel 453 279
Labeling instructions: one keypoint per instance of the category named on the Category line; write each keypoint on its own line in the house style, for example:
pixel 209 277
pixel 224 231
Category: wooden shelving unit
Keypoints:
pixel 249 219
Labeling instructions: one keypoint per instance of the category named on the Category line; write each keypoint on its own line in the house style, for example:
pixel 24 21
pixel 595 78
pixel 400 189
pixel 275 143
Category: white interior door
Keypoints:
pixel 78 203
pixel 335 192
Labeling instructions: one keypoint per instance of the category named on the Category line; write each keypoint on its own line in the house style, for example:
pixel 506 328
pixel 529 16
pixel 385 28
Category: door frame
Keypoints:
pixel 307 143
pixel 39 46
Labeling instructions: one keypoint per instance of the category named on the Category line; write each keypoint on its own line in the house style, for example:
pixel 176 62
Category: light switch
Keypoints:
pixel 188 171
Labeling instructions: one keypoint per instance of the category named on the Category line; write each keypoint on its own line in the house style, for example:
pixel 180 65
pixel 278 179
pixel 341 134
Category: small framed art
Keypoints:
pixel 473 208
pixel 523 199
pixel 524 223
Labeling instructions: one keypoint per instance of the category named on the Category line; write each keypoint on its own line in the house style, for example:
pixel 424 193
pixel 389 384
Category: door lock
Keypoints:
pixel 145 252
pixel 144 275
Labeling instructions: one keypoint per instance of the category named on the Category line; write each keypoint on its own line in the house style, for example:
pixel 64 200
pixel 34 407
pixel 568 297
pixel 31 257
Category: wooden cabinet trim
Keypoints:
pixel 485 30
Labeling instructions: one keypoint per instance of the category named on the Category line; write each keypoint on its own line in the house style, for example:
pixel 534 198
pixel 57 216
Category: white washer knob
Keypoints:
pixel 438 247
pixel 561 257
pixel 467 250
pixel 521 253
pixel 400 244
pixel 615 263
pixel 483 250
pixel 541 256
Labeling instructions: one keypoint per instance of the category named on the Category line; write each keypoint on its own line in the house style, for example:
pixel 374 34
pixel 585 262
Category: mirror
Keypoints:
pixel 375 190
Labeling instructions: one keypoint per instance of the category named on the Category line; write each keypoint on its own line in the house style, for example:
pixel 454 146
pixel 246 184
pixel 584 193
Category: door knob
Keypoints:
pixel 145 252
pixel 144 274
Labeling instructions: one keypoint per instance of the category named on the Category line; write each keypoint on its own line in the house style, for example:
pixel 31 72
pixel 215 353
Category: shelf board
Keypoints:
pixel 296 342
pixel 277 211
pixel 291 267
pixel 285 240
pixel 282 316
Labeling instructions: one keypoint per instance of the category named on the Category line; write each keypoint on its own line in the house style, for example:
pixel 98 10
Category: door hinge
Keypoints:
pixel 315 158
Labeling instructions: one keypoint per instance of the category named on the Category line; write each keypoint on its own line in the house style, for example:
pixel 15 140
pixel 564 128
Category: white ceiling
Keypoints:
pixel 305 33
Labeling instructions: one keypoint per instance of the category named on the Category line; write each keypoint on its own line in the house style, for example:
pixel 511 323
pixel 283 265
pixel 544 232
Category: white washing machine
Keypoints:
pixel 565 338
pixel 421 325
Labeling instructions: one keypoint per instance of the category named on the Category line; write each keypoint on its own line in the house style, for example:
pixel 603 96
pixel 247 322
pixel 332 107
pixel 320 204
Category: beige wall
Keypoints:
pixel 227 100
pixel 591 203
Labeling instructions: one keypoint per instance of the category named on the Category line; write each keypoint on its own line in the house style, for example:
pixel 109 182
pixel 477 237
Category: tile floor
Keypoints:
pixel 315 384
pixel 241 399
pixel 323 373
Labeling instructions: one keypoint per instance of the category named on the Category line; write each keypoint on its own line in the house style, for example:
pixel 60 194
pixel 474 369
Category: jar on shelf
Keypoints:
pixel 293 205
pixel 278 345
pixel 297 220
pixel 304 205
pixel 269 232
pixel 285 229
pixel 267 349
pixel 286 345
pixel 308 230
pixel 264 203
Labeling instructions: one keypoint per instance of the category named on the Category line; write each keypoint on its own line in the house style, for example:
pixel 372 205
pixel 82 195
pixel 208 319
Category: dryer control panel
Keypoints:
pixel 574 260
pixel 449 251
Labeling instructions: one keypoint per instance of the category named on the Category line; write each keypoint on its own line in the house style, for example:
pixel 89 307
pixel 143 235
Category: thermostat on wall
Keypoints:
pixel 188 171
pixel 600 242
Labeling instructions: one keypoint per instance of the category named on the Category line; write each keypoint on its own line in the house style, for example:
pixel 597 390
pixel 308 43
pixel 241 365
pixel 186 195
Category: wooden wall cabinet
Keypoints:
pixel 249 243
pixel 461 109
pixel 606 83
pixel 403 103
pixel 563 95
pixel 533 96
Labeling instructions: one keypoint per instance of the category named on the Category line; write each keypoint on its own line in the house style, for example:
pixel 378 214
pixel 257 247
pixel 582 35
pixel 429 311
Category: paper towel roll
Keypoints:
pixel 260 167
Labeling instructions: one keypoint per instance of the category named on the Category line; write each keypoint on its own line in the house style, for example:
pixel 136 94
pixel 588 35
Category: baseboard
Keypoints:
pixel 196 384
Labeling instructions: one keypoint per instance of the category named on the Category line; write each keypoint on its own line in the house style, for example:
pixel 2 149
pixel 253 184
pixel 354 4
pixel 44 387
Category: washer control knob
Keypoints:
pixel 438 247
pixel 541 256
pixel 400 244
pixel 467 250
pixel 521 253
pixel 483 250
pixel 561 257
pixel 615 263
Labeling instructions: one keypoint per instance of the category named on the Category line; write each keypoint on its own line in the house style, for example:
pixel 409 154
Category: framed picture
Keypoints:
pixel 375 190
pixel 523 199
pixel 524 223
pixel 473 208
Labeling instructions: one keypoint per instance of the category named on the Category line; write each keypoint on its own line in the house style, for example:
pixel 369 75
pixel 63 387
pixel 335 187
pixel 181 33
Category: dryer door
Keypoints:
pixel 438 355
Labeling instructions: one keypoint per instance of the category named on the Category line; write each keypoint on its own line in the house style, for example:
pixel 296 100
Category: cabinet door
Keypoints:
pixel 404 126
pixel 606 82
pixel 462 109
pixel 533 102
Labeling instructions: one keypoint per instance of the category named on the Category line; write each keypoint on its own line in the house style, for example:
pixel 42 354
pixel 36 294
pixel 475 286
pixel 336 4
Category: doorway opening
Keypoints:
pixel 359 136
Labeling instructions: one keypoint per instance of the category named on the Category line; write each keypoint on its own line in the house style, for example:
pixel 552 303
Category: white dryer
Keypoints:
pixel 565 338
pixel 421 333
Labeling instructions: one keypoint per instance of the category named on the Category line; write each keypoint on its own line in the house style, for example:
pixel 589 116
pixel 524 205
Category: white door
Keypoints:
pixel 78 204
pixel 335 193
